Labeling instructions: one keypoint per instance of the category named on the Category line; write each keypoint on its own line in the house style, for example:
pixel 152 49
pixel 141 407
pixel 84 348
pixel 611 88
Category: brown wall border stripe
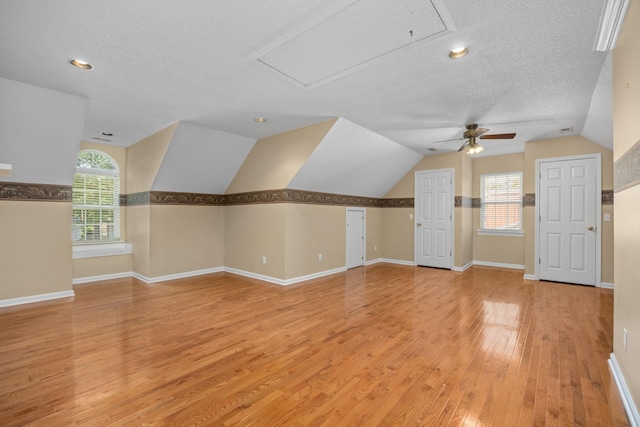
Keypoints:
pixel 529 199
pixel 63 193
pixel 19 191
pixel 176 198
pixel 462 202
pixel 626 170
pixel 260 197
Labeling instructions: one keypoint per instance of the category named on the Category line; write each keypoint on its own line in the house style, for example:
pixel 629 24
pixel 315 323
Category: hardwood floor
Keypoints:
pixel 379 345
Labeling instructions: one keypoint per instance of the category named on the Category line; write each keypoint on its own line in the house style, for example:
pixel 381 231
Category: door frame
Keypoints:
pixel 453 213
pixel 598 159
pixel 364 234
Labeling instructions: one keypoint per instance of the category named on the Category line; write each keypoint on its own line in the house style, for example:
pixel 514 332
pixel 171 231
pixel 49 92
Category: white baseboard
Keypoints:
pixel 284 282
pixel 90 279
pixel 373 261
pixel 606 285
pixel 625 394
pixel 157 279
pixel 530 277
pixel 397 261
pixel 36 298
pixel 463 268
pixel 499 264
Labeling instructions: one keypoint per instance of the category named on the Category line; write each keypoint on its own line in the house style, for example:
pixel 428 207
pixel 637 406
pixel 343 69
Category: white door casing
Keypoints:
pixel 434 218
pixel 568 219
pixel 355 237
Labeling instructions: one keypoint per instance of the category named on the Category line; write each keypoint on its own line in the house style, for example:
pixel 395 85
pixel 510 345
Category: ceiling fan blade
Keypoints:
pixel 499 136
pixel 448 140
pixel 462 146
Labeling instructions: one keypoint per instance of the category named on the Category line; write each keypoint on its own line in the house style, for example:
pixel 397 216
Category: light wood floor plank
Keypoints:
pixel 380 345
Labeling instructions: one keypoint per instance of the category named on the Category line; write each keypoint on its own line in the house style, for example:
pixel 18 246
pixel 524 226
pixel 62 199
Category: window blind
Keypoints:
pixel 501 201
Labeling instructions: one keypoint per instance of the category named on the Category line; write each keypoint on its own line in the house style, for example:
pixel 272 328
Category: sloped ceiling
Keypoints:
pixel 531 67
pixel 356 161
pixel 201 160
pixel 599 123
pixel 40 133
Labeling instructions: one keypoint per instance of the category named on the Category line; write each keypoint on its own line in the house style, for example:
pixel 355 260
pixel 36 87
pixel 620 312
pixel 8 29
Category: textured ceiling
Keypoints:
pixel 531 70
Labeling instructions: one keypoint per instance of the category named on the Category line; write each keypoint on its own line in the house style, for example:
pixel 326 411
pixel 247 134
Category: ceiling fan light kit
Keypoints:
pixel 475 149
pixel 473 133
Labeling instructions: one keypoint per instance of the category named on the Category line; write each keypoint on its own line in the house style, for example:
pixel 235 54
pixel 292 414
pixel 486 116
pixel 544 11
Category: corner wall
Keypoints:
pixel 41 134
pixel 498 249
pixel 626 153
pixel 399 231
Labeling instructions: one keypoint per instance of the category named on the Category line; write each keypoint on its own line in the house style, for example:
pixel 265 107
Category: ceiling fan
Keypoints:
pixel 473 133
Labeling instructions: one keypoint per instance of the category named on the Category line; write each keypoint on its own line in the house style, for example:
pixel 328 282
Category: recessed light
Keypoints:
pixel 458 52
pixel 261 120
pixel 80 64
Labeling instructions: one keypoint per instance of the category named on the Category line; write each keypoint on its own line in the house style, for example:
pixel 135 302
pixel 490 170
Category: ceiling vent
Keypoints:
pixel 98 138
pixel 349 36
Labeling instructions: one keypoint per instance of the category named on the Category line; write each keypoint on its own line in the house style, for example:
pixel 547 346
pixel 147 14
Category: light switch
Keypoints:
pixel 410 216
pixel 607 217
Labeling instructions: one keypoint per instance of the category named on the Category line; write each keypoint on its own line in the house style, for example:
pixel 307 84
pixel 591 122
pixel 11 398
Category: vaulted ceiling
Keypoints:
pixel 380 64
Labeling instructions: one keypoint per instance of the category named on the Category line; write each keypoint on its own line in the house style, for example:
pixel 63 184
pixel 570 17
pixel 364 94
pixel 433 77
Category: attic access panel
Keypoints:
pixel 348 37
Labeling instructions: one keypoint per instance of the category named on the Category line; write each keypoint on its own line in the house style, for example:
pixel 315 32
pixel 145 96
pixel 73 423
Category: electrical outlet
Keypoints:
pixel 375 248
pixel 625 338
pixel 264 259
pixel 319 257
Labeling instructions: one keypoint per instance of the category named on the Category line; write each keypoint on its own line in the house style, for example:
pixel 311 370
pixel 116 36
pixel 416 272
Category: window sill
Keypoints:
pixel 101 249
pixel 508 233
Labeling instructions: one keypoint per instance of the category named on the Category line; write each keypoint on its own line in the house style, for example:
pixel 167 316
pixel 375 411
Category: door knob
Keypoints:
pixel 418 225
pixel 590 228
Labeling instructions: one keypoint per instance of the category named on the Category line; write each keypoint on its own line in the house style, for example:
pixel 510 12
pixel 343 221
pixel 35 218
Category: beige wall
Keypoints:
pixel 626 133
pixel 311 230
pixel 254 231
pixel 185 239
pixel 144 159
pixel 374 233
pixel 139 226
pixel 102 266
pixel 398 234
pixel 406 186
pixel 274 161
pixel 561 147
pixel 35 257
pixel 496 249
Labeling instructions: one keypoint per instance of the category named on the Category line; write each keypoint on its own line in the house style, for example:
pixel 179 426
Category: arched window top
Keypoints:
pixel 93 161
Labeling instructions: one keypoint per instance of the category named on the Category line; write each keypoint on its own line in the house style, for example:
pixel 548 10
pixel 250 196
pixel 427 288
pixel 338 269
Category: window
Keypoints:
pixel 501 207
pixel 96 198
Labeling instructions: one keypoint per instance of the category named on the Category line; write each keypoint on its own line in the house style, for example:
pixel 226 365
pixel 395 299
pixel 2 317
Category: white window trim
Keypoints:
pixel 512 232
pixel 94 250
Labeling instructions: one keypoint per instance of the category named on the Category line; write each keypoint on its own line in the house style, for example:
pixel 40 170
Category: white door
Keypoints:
pixel 568 226
pixel 434 218
pixel 355 237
